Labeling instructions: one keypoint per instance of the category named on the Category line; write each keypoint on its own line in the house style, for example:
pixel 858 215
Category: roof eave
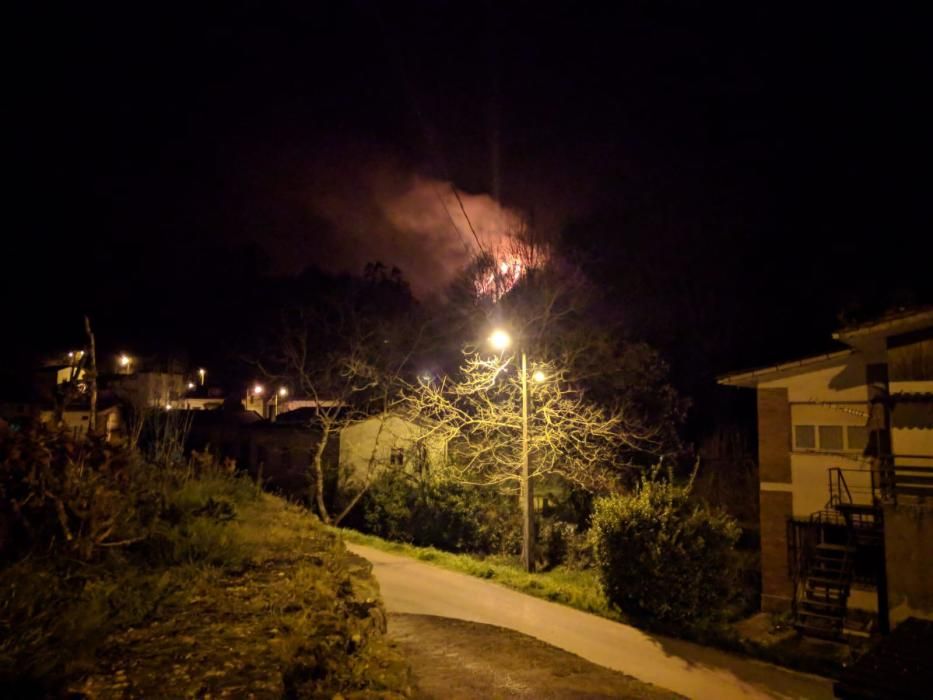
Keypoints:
pixel 752 378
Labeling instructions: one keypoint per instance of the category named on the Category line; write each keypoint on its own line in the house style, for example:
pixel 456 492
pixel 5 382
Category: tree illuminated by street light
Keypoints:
pixel 479 412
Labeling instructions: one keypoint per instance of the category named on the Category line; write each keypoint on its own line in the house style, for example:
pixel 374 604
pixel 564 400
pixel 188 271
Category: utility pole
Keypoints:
pixel 500 340
pixel 527 492
pixel 91 377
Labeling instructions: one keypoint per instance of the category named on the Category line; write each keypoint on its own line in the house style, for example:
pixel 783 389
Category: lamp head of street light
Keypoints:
pixel 283 391
pixel 257 389
pixel 539 376
pixel 191 385
pixel 124 361
pixel 500 340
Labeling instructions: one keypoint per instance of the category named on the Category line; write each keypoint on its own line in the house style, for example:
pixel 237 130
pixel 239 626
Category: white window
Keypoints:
pixel 831 437
pixel 857 437
pixel 805 437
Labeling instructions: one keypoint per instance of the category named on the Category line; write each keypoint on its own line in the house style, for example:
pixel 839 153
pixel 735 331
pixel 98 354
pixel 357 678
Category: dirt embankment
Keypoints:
pixel 457 660
pixel 301 619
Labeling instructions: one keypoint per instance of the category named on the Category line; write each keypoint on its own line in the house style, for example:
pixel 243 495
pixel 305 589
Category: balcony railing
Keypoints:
pixel 908 476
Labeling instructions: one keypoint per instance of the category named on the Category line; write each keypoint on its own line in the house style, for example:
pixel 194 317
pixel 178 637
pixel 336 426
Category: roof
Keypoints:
pixel 899 321
pixel 895 323
pixel 752 377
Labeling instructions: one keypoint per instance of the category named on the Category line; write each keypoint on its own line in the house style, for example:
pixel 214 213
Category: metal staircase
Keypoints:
pixel 824 555
pixel 824 577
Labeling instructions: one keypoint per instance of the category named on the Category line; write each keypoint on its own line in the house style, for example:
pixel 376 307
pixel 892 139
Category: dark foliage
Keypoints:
pixel 449 516
pixel 663 555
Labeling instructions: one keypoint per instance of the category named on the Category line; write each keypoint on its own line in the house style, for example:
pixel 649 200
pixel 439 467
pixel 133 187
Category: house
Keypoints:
pixel 270 403
pixel 279 452
pixel 282 454
pixel 845 450
pixel 282 450
pixel 389 441
pixel 76 418
pixel 200 398
pixel 155 388
pixel 224 432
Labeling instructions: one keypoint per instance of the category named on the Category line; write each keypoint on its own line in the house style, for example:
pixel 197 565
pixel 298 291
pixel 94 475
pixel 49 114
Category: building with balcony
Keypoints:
pixel 845 452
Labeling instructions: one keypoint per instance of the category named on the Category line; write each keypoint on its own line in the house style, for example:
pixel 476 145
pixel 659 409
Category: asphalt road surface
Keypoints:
pixel 411 586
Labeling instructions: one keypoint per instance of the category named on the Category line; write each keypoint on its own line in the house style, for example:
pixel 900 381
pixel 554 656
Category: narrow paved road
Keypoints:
pixel 411 586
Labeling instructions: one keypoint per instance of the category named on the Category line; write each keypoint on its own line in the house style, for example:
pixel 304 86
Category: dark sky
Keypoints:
pixel 758 167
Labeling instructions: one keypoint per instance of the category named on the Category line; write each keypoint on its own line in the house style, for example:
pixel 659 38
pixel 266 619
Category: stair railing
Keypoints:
pixel 838 488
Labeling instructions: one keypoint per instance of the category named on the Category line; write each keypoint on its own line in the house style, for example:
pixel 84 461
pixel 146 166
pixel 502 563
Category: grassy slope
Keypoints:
pixel 253 596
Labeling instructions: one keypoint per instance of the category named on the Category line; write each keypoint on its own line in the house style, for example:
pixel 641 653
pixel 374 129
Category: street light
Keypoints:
pixel 500 340
pixel 125 361
pixel 283 392
pixel 202 373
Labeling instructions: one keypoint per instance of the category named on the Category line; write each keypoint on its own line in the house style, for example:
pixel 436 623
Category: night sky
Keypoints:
pixel 736 177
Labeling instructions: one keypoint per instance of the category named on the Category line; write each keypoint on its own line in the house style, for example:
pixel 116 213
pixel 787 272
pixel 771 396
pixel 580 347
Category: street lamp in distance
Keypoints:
pixel 283 392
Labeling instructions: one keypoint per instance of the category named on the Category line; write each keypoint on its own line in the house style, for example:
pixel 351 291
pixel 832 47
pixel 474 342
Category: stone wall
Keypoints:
pixel 908 541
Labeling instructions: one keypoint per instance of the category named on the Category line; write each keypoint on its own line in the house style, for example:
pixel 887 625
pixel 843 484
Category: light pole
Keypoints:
pixel 202 373
pixel 283 392
pixel 500 340
pixel 257 392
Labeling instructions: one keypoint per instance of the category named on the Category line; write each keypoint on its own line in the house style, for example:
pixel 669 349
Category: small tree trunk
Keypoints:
pixel 352 503
pixel 91 373
pixel 318 466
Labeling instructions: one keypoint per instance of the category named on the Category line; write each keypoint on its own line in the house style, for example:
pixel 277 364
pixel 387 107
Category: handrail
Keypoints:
pixel 835 475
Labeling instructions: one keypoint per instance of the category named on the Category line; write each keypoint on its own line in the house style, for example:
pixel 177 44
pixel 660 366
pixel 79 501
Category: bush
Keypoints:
pixel 79 497
pixel 562 544
pixel 663 555
pixel 449 516
pixel 94 537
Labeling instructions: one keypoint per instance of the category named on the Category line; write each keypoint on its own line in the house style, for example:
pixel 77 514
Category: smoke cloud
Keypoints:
pixel 413 222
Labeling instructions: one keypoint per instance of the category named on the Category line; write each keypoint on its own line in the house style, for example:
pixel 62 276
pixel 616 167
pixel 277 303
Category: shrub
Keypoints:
pixel 449 516
pixel 562 544
pixel 93 537
pixel 72 496
pixel 663 555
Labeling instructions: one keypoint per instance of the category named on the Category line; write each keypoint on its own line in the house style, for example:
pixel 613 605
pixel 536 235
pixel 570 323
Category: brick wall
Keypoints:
pixel 774 438
pixel 774 445
pixel 776 506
